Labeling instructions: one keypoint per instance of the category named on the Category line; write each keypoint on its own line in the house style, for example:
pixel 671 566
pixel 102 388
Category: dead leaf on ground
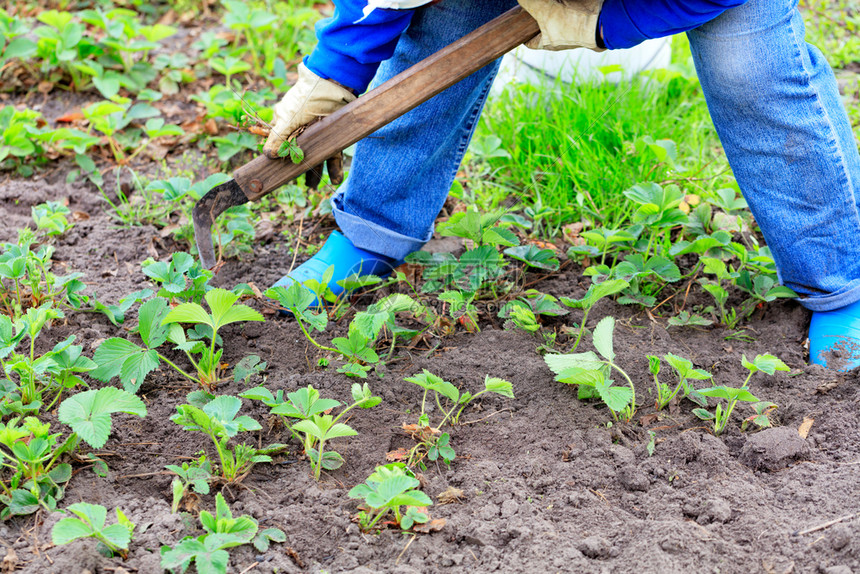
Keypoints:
pixel 10 561
pixel 805 427
pixel 295 556
pixel 80 215
pixel 70 117
pixel 825 388
pixel 398 455
pixel 434 525
pixel 649 419
pixel 211 127
pixel 450 495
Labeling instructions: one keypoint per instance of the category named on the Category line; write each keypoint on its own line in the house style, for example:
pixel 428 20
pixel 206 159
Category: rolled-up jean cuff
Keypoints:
pixel 836 300
pixel 372 236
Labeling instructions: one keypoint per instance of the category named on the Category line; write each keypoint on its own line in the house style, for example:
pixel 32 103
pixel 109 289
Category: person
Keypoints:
pixel 773 98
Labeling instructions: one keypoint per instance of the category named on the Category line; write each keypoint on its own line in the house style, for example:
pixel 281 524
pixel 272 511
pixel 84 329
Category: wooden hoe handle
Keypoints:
pixel 389 101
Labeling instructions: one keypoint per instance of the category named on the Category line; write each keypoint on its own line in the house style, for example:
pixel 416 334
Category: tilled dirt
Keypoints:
pixel 548 485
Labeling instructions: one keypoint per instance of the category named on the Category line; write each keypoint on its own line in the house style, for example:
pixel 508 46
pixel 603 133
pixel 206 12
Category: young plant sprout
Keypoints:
pixel 591 373
pixel 315 428
pixel 388 489
pixel 685 372
pixel 720 417
pixel 89 522
pixel 432 442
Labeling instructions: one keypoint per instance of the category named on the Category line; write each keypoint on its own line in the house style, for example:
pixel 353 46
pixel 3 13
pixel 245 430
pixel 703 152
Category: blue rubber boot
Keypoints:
pixel 347 260
pixel 834 338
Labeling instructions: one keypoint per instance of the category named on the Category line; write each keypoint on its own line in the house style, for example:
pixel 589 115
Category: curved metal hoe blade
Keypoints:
pixel 210 206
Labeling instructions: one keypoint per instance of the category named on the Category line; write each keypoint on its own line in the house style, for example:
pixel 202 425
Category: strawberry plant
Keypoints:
pixel 26 280
pixel 315 428
pixel 720 417
pixel 158 324
pixel 190 476
pixel 432 442
pixel 31 452
pixel 761 417
pixel 591 373
pixel 224 311
pixel 685 371
pixel 89 522
pixel 218 419
pixel 387 490
pixel 208 552
pixel 181 279
pixel 50 218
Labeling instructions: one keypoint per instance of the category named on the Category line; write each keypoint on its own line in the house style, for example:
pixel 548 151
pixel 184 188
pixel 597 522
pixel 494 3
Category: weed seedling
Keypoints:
pixel 388 489
pixel 90 523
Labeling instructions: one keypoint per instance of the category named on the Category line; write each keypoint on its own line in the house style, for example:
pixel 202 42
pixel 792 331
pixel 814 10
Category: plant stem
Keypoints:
pixel 169 362
pixel 311 339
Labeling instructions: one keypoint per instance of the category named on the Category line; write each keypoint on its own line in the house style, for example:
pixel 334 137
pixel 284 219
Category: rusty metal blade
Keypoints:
pixel 210 206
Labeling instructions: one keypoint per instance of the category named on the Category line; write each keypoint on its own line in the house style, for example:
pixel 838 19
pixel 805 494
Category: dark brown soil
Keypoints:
pixel 548 485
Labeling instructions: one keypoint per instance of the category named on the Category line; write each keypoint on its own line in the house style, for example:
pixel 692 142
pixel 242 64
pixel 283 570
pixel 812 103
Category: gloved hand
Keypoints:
pixel 310 99
pixel 564 24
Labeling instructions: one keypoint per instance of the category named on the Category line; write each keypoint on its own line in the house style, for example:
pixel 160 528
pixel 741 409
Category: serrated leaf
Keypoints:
pixel 150 317
pixel 110 357
pixel 588 361
pixel 89 413
pixel 499 386
pixel 188 313
pixel 69 529
pixel 616 398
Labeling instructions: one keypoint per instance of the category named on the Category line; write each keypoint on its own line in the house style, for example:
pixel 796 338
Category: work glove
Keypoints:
pixel 309 100
pixel 564 24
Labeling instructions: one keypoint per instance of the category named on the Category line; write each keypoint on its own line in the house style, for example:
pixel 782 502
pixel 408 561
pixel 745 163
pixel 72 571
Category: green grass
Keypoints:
pixel 833 26
pixel 575 149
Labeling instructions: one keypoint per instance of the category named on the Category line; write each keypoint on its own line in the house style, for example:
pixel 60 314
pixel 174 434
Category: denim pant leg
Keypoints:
pixel 776 106
pixel 401 175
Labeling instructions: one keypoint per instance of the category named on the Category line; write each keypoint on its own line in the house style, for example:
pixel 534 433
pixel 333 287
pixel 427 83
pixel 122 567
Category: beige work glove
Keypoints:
pixel 310 99
pixel 564 24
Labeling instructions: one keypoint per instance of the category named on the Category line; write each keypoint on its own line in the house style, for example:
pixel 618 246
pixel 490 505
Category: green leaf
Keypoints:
pixel 765 363
pixel 89 413
pixel 534 256
pixel 603 338
pixel 560 363
pixel 729 393
pixel 69 529
pixel 261 541
pixel 112 356
pixel 150 317
pixel 616 398
pixel 188 313
pixel 499 386
pixel 703 414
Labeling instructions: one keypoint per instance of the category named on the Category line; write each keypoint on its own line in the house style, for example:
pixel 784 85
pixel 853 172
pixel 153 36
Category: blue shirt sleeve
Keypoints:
pixel 348 51
pixel 626 23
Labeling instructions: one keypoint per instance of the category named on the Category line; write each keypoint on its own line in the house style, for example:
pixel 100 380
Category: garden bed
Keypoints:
pixel 546 484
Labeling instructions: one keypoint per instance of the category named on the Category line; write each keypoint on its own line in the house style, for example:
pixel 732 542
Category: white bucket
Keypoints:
pixel 524 65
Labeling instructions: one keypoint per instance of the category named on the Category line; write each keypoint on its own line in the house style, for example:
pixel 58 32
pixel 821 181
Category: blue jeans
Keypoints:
pixel 774 102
